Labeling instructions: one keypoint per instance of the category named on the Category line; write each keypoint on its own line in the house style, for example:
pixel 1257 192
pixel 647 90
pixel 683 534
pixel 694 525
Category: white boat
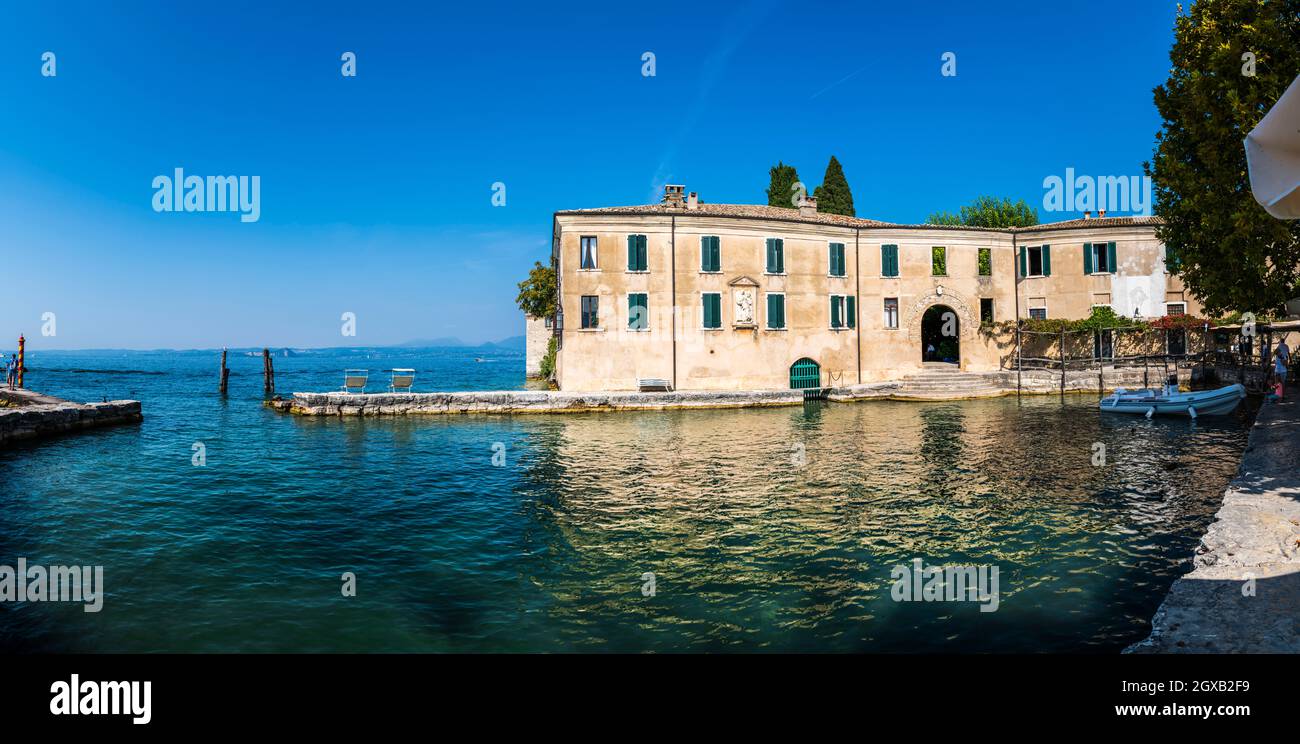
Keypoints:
pixel 1170 401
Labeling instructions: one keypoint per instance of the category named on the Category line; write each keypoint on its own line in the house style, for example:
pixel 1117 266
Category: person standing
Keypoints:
pixel 1281 359
pixel 11 370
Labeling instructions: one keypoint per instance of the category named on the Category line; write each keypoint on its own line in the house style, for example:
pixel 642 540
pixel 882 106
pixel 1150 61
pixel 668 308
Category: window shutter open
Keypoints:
pixel 851 310
pixel 1087 258
pixel 1110 258
pixel 1024 261
pixel 1047 260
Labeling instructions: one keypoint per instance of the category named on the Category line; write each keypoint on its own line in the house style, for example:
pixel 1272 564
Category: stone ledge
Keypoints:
pixel 34 421
pixel 522 401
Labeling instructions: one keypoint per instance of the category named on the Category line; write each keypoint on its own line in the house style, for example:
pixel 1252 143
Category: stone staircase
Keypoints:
pixel 941 381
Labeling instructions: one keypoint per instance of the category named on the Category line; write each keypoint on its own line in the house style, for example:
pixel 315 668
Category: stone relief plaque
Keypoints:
pixel 743 310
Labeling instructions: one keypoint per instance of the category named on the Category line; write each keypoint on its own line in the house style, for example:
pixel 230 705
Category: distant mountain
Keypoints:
pixel 424 343
pixel 513 343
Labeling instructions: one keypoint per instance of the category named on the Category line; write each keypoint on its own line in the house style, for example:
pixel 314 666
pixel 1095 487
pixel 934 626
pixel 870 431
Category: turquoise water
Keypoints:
pixel 750 549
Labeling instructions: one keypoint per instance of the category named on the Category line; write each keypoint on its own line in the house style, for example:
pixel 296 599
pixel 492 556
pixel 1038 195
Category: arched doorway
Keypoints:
pixel 805 374
pixel 940 335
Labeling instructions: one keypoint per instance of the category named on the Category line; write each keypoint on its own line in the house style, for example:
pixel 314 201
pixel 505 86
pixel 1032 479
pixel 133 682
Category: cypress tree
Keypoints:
pixel 780 189
pixel 834 196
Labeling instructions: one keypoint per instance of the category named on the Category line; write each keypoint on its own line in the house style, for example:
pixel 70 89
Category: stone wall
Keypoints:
pixel 536 337
pixel 522 401
pixel 33 421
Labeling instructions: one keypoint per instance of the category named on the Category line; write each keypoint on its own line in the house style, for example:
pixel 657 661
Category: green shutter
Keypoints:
pixel 776 311
pixel 710 253
pixel 835 312
pixel 889 260
pixel 775 259
pixel 638 310
pixel 631 253
pixel 1110 258
pixel 1047 260
pixel 1087 259
pixel 851 311
pixel 1024 261
pixel 712 311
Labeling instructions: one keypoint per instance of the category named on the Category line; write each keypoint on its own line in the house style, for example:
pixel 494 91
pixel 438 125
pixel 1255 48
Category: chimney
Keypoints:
pixel 1101 213
pixel 1087 214
pixel 808 206
pixel 673 195
pixel 693 201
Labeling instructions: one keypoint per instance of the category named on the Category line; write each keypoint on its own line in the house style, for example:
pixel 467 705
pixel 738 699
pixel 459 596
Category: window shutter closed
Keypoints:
pixel 1047 260
pixel 1110 258
pixel 631 253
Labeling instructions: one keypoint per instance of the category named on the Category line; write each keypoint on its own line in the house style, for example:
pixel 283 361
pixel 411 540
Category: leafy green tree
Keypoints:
pixel 1230 252
pixel 834 196
pixel 989 211
pixel 780 189
pixel 537 293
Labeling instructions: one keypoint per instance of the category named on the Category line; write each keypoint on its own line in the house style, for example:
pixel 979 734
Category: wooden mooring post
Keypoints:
pixel 224 378
pixel 268 373
pixel 1062 350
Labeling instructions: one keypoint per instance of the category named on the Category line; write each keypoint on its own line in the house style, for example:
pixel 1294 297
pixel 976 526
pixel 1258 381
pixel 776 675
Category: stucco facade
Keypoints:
pixel 743 352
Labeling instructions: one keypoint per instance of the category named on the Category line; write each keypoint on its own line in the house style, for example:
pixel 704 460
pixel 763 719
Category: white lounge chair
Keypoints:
pixel 355 378
pixel 403 379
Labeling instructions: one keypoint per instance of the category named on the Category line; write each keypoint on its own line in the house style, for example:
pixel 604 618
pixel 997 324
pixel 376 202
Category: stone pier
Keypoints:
pixel 1243 592
pixel 29 415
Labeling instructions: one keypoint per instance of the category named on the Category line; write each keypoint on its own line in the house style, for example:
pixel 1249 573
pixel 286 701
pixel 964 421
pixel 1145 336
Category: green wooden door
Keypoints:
pixel 805 374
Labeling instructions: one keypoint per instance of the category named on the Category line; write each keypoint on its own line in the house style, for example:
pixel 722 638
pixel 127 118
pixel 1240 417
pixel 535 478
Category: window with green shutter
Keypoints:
pixel 776 311
pixel 636 253
pixel 638 311
pixel 775 256
pixel 1110 258
pixel 712 308
pixel 1087 259
pixel 889 260
pixel 1047 260
pixel 837 259
pixel 851 310
pixel 710 253
pixel 1173 262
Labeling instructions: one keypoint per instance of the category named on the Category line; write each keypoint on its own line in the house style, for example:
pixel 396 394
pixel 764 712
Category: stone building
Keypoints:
pixel 745 297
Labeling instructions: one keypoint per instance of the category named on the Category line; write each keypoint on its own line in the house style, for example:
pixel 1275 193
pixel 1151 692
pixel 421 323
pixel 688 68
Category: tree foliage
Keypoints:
pixel 537 293
pixel 989 211
pixel 1231 253
pixel 834 196
pixel 780 189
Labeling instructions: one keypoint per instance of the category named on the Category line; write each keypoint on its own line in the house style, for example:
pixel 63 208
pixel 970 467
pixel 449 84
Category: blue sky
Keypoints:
pixel 376 190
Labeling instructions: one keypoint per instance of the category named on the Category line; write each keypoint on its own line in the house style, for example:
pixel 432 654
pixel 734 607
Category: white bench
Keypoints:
pixel 646 384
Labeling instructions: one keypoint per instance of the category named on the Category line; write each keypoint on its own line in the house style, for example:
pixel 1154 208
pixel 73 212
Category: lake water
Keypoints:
pixel 765 529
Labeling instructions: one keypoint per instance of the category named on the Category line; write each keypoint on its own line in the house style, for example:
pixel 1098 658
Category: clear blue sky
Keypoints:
pixel 376 190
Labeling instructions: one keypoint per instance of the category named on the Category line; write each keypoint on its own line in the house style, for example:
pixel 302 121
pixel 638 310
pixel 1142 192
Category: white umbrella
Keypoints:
pixel 1273 156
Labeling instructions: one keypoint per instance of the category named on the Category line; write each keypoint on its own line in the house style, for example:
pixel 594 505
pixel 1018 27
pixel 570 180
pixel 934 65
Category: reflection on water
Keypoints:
pixel 751 550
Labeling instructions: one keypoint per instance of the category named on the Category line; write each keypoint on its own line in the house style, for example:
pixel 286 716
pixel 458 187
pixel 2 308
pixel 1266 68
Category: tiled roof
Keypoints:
pixel 762 211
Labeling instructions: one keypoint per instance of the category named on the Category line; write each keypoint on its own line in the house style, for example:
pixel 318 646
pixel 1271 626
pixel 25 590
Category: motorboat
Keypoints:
pixel 1170 401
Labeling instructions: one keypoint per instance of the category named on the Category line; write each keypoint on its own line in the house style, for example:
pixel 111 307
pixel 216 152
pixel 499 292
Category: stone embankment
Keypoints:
pixel 27 415
pixel 522 401
pixel 938 383
pixel 1243 591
